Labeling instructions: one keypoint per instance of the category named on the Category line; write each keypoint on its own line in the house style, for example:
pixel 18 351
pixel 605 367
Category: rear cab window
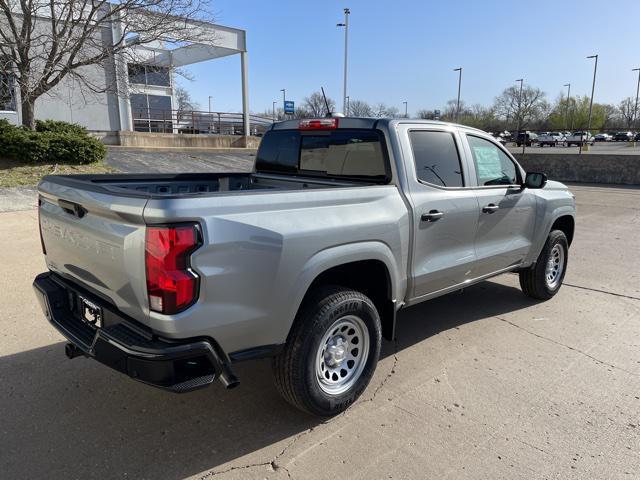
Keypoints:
pixel 350 154
pixel 436 158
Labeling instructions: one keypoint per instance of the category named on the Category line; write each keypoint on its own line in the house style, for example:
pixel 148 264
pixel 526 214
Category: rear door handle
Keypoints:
pixel 432 216
pixel 490 208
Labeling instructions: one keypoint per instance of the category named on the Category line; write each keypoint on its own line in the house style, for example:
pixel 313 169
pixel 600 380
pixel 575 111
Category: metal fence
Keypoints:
pixel 196 122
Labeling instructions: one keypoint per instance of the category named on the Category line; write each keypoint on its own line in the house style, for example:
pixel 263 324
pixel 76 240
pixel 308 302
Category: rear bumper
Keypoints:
pixel 128 348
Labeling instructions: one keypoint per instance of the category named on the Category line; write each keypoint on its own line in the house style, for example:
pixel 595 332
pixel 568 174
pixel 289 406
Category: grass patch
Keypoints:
pixel 15 174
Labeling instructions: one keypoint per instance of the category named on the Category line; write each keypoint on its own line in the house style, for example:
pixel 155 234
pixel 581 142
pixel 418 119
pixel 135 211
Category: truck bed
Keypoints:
pixel 190 184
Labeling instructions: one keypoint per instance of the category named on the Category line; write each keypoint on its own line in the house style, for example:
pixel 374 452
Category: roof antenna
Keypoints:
pixel 329 113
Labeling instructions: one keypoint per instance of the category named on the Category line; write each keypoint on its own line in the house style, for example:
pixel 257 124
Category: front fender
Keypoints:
pixel 544 228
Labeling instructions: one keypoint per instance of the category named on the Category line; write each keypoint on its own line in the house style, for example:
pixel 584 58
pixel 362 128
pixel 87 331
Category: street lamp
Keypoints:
pixel 635 109
pixel 347 12
pixel 284 99
pixel 566 115
pixel 524 143
pixel 459 70
pixel 348 106
pixel 405 110
pixel 210 97
pixel 273 111
pixel 593 87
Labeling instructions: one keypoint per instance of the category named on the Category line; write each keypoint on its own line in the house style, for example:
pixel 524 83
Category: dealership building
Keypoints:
pixel 146 100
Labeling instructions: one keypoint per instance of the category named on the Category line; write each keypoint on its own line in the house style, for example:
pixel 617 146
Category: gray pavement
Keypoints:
pixel 485 384
pixel 179 160
pixel 17 198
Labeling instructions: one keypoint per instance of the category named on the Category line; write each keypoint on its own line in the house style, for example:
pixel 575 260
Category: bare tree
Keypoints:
pixel 314 105
pixel 381 110
pixel 45 41
pixel 184 100
pixel 425 114
pixel 360 108
pixel 531 106
pixel 626 108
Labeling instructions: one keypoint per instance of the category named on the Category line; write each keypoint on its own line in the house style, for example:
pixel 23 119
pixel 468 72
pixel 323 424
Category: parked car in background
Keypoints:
pixel 623 137
pixel 576 138
pixel 637 137
pixel 552 139
pixel 526 137
pixel 602 137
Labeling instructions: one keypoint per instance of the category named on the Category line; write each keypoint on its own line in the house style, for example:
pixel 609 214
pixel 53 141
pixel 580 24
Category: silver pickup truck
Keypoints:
pixel 172 279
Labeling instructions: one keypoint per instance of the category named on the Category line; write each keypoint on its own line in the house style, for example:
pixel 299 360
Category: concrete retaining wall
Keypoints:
pixel 586 168
pixel 182 140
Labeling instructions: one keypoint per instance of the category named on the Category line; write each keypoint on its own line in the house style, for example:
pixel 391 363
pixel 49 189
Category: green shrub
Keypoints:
pixel 57 126
pixel 52 142
pixel 68 148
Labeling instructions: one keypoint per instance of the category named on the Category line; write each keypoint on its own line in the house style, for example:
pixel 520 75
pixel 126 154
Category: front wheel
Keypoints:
pixel 331 353
pixel 544 279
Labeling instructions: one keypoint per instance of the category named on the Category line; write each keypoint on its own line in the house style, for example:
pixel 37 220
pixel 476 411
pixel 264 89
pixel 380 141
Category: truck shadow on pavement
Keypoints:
pixel 78 419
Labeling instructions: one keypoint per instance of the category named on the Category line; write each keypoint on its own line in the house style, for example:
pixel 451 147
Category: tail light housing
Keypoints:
pixel 171 284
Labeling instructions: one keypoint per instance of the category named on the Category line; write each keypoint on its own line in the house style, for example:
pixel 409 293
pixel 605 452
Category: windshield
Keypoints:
pixel 342 153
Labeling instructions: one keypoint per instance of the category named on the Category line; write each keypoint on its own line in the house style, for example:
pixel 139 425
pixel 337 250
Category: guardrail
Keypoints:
pixel 196 122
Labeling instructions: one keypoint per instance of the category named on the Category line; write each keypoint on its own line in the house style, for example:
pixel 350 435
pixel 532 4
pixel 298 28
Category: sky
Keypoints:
pixel 406 50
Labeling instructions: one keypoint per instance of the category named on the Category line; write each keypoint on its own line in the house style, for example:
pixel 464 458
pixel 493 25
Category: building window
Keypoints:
pixel 149 75
pixel 151 113
pixel 7 92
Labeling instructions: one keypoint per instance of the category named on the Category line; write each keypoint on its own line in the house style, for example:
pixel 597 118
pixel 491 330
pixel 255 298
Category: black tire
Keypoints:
pixel 295 367
pixel 533 280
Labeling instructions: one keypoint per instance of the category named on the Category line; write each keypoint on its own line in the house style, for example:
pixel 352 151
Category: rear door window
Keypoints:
pixel 436 158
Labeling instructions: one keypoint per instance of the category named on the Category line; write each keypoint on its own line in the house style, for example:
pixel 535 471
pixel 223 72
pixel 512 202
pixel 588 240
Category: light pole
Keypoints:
pixel 566 115
pixel 459 70
pixel 348 106
pixel 347 12
pixel 273 111
pixel 405 110
pixel 593 88
pixel 210 97
pixel 635 109
pixel 284 99
pixel 524 143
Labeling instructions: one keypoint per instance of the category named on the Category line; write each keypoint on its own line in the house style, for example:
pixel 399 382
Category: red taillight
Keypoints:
pixel 171 285
pixel 44 250
pixel 318 124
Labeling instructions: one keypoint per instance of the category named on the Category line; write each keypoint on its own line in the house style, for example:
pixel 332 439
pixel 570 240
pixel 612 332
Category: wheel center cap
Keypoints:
pixel 336 352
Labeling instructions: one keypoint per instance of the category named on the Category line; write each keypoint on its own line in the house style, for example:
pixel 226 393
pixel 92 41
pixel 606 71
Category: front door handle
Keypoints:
pixel 432 216
pixel 490 208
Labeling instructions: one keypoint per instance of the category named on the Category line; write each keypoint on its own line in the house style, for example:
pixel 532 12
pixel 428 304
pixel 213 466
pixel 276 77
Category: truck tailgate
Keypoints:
pixel 96 239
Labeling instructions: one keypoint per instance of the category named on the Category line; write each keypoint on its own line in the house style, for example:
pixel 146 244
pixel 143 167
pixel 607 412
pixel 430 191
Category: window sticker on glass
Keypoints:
pixel 487 162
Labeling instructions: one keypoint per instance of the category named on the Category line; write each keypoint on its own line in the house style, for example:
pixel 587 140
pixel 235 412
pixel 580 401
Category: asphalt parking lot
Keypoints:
pixel 482 384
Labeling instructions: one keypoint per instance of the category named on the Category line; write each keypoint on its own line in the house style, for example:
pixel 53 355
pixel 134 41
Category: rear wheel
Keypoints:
pixel 331 353
pixel 544 279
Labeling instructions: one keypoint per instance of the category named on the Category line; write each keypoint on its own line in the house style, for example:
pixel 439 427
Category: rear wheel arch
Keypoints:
pixel 371 277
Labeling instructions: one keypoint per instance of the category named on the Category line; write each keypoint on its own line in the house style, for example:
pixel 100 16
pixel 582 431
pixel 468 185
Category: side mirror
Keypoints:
pixel 535 180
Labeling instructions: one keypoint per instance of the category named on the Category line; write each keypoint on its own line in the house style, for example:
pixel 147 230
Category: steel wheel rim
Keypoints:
pixel 342 355
pixel 555 266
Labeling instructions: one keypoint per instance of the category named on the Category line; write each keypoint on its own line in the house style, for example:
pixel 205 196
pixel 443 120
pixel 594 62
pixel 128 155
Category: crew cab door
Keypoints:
pixel 507 212
pixel 445 213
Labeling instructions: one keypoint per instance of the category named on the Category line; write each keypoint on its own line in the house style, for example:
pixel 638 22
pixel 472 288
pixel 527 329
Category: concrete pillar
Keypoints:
pixel 245 96
pixel 121 80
